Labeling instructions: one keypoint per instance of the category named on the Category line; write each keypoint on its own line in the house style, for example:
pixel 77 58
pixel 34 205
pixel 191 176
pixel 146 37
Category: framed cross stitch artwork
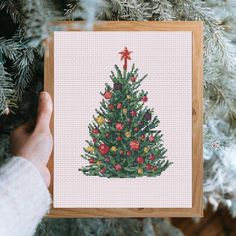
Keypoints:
pixel 127 120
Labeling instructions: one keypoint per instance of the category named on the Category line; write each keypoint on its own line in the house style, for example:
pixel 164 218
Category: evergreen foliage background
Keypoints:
pixel 24 26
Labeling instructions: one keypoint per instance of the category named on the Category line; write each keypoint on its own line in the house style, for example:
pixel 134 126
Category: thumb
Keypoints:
pixel 44 112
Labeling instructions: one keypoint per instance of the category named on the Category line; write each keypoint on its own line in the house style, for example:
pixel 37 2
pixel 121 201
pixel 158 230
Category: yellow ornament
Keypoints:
pixel 125 111
pixel 127 134
pixel 99 163
pixel 90 149
pixel 113 149
pixel 128 97
pixel 100 120
pixel 146 149
pixel 140 171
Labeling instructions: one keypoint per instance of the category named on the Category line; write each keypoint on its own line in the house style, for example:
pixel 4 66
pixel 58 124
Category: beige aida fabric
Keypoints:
pixel 82 65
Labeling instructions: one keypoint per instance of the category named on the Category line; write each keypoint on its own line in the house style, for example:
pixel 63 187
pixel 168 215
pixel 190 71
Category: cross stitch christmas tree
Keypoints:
pixel 125 140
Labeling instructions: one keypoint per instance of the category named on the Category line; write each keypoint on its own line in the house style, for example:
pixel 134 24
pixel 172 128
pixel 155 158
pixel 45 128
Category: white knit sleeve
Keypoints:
pixel 24 198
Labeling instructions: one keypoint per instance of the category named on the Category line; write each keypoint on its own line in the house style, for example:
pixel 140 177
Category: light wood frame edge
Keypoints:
pixel 197 102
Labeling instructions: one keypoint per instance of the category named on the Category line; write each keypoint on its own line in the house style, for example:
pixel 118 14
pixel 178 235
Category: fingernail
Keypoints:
pixel 43 96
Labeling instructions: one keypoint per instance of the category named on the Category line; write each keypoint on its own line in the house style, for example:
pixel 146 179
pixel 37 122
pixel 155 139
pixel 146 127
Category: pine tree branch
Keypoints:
pixel 216 47
pixel 12 7
pixel 7 98
pixel 35 24
pixel 87 10
pixel 163 10
pixel 9 48
pixel 73 11
pixel 134 10
pixel 24 67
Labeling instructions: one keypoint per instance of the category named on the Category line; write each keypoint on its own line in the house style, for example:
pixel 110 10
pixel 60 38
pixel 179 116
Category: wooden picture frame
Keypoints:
pixel 197 96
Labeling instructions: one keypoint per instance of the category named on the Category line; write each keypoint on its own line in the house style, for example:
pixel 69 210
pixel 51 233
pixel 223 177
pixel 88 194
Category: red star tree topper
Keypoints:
pixel 125 139
pixel 125 55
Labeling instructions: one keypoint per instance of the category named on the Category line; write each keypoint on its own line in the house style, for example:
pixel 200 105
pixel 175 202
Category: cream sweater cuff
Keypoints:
pixel 24 198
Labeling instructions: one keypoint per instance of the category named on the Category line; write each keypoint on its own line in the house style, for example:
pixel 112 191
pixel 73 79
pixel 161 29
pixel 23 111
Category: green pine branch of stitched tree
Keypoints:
pixel 125 139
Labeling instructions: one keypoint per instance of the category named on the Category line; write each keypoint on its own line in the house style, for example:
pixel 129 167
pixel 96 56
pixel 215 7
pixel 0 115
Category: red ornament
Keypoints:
pixel 151 138
pixel 94 140
pixel 103 149
pixel 129 120
pixel 134 145
pixel 148 167
pixel 91 161
pixel 107 135
pixel 155 168
pixel 133 113
pixel 140 160
pixel 142 136
pixel 119 106
pixel 119 138
pixel 121 152
pixel 95 131
pixel 133 78
pixel 119 126
pixel 103 170
pixel 118 167
pixel 152 157
pixel 144 98
pixel 111 106
pixel 107 159
pixel 136 129
pixel 107 95
pixel 128 153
